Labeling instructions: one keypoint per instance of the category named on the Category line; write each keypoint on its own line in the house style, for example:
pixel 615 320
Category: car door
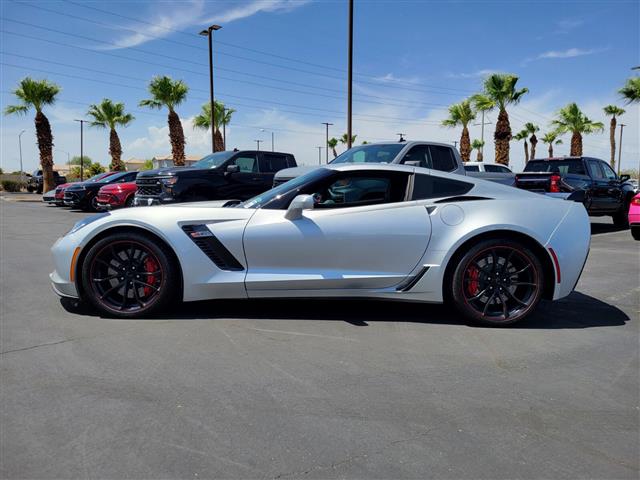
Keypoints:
pixel 418 155
pixel 268 164
pixel 613 194
pixel 599 191
pixel 245 182
pixel 362 234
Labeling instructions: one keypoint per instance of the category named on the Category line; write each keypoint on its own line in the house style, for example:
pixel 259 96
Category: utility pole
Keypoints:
pixel 272 148
pixel 82 122
pixel 326 143
pixel 319 155
pixel 401 137
pixel 350 76
pixel 224 127
pixel 258 142
pixel 622 125
pixel 20 147
pixel 209 34
pixel 482 134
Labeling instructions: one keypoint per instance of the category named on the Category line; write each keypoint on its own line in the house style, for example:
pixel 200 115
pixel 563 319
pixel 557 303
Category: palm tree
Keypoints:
pixel 344 140
pixel 223 117
pixel 523 135
pixel 500 91
pixel 551 138
pixel 571 119
pixel 460 114
pixel 532 128
pixel 613 111
pixel 109 114
pixel 37 94
pixel 631 90
pixel 477 145
pixel 168 93
pixel 332 144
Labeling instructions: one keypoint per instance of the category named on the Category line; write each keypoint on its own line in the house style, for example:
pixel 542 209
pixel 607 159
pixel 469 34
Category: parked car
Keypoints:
pixel 35 181
pixel 49 197
pixel 634 217
pixel 602 191
pixel 223 175
pixel 371 231
pixel 83 195
pixel 437 156
pixel 494 172
pixel 116 195
pixel 58 194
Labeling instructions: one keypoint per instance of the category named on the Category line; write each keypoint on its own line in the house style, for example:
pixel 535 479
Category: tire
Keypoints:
pixel 635 232
pixel 500 293
pixel 129 202
pixel 621 217
pixel 140 257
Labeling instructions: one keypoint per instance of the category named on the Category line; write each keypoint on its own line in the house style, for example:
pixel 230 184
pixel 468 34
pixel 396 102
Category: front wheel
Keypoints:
pixel 129 275
pixel 621 218
pixel 497 282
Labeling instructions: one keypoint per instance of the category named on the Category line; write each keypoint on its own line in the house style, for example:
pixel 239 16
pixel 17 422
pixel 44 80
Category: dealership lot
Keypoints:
pixel 317 389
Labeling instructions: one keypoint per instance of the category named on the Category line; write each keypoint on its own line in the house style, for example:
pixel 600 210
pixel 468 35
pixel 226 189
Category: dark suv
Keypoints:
pixel 237 175
pixel 35 182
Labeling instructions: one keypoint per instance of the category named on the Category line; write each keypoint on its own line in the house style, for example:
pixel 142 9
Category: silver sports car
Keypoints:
pixel 377 231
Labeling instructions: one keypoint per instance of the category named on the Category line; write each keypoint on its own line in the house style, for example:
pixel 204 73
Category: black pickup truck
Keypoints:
pixel 590 180
pixel 35 182
pixel 238 175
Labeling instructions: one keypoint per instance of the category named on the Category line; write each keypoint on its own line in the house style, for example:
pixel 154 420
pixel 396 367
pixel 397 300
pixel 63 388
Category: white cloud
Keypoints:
pixel 570 53
pixel 156 142
pixel 391 78
pixel 568 24
pixel 476 74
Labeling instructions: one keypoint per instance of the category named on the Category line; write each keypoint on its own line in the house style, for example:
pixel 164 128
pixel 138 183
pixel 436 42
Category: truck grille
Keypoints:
pixel 148 187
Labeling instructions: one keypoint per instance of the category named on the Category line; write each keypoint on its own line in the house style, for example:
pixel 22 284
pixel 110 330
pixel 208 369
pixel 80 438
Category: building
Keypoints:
pixel 134 164
pixel 167 160
pixel 62 169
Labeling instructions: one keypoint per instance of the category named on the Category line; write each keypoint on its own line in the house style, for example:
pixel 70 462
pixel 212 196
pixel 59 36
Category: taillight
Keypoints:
pixel 636 201
pixel 555 183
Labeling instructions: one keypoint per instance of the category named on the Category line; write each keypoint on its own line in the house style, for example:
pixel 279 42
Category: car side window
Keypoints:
pixel 271 162
pixel 442 158
pixel 594 170
pixel 608 171
pixel 419 154
pixel 246 163
pixel 492 168
pixel 471 168
pixel 357 189
pixel 428 186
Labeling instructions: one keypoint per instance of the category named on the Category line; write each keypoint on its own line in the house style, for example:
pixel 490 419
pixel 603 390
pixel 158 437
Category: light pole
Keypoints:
pixel 81 149
pixel 20 148
pixel 350 76
pixel 326 143
pixel 622 125
pixel 258 142
pixel 319 155
pixel 209 34
pixel 224 127
pixel 272 148
pixel 482 133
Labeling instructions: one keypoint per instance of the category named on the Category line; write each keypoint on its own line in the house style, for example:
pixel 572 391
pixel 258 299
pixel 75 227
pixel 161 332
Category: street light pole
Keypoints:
pixel 319 155
pixel 258 142
pixel 326 143
pixel 482 134
pixel 622 125
pixel 350 76
pixel 272 137
pixel 209 34
pixel 224 127
pixel 81 148
pixel 20 147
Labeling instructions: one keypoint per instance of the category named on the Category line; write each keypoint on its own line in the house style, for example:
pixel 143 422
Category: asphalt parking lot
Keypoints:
pixel 315 389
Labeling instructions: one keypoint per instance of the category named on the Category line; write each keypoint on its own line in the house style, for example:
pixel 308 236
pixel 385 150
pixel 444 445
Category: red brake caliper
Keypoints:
pixel 149 266
pixel 473 275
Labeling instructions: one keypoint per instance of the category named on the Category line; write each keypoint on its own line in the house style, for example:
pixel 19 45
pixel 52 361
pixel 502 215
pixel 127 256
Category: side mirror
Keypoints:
pixel 233 168
pixel 412 163
pixel 297 205
pixel 624 178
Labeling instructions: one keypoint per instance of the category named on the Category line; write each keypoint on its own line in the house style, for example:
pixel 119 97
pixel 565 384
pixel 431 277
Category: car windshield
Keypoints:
pixel 374 153
pixel 561 166
pixel 111 178
pixel 288 189
pixel 214 160
pixel 97 177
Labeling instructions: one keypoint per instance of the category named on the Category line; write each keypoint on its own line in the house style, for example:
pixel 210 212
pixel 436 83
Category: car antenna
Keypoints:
pixel 401 137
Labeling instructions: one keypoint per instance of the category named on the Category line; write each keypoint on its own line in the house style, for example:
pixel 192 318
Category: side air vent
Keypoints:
pixel 461 198
pixel 411 282
pixel 212 247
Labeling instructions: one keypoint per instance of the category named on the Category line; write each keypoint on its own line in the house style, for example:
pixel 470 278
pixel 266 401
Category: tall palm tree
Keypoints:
pixel 332 144
pixel 531 129
pixel 571 119
pixel 344 139
pixel 38 94
pixel 551 138
pixel 168 93
pixel 613 111
pixel 223 117
pixel 498 92
pixel 631 90
pixel 109 114
pixel 460 114
pixel 523 135
pixel 477 146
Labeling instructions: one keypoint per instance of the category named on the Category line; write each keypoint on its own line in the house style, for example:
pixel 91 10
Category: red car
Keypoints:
pixel 58 196
pixel 634 217
pixel 116 195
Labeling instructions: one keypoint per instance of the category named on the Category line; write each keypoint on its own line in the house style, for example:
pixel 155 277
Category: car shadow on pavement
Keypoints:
pixel 597 228
pixel 575 311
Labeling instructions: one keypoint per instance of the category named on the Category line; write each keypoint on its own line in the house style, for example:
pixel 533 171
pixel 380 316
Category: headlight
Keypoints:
pixel 86 221
pixel 167 182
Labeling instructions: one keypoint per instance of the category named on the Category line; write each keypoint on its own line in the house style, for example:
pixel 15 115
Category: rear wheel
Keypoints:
pixel 621 218
pixel 635 232
pixel 497 282
pixel 129 275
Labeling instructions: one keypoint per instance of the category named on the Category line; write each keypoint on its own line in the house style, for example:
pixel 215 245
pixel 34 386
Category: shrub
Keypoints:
pixel 11 186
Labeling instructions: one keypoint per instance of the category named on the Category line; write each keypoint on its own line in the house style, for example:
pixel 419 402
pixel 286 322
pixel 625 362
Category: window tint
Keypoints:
pixel 358 188
pixel 246 163
pixel 419 154
pixel 562 167
pixel 608 171
pixel 373 153
pixel 472 168
pixel 496 169
pixel 595 170
pixel 271 162
pixel 427 186
pixel 442 158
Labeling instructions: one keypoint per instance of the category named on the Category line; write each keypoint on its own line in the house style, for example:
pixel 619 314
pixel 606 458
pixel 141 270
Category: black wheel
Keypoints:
pixel 621 218
pixel 129 275
pixel 635 232
pixel 129 202
pixel 497 282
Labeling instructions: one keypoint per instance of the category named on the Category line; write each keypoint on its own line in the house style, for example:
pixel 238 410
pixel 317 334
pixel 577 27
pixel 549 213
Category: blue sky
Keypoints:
pixel 282 65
